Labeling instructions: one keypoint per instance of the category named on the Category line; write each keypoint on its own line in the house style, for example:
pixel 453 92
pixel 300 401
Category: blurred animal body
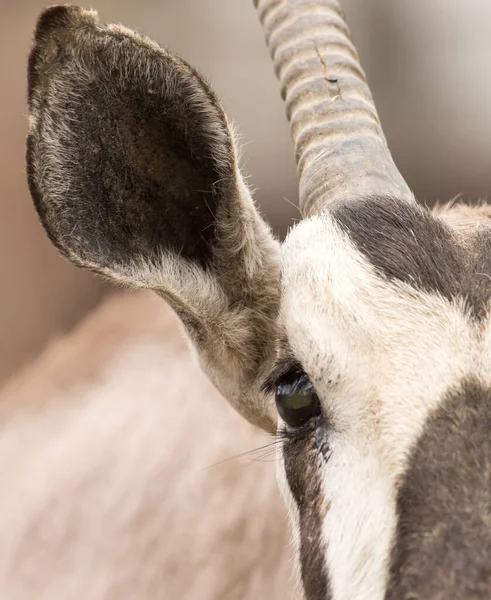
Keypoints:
pixel 362 342
pixel 109 449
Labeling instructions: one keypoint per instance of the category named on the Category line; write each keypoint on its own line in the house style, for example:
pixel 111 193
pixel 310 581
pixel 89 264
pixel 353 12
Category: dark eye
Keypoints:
pixel 296 400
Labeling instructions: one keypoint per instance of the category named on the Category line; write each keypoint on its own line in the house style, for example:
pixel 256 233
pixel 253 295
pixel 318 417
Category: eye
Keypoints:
pixel 296 401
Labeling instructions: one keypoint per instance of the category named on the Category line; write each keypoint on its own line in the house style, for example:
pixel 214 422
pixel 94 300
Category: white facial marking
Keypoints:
pixel 360 522
pixel 381 356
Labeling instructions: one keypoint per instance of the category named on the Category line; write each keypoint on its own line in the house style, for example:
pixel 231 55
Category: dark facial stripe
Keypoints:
pixel 406 243
pixel 442 548
pixel 301 459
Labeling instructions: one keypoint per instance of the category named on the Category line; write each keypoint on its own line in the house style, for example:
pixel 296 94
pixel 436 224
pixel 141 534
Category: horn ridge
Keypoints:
pixel 340 148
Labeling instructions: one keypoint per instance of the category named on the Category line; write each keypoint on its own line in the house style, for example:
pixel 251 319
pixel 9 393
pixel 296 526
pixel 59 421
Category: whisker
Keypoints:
pixel 244 454
pixel 266 457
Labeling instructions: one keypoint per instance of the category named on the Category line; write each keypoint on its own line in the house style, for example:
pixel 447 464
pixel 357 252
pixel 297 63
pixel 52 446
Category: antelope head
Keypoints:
pixel 362 342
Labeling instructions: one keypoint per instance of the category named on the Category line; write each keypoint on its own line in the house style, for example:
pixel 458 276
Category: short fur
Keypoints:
pixel 382 354
pixel 406 242
pixel 121 122
pixel 443 542
pixel 302 472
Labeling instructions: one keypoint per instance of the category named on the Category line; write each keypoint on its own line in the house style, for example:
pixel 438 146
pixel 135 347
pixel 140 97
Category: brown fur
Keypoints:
pixel 449 256
pixel 109 491
pixel 444 527
pixel 301 458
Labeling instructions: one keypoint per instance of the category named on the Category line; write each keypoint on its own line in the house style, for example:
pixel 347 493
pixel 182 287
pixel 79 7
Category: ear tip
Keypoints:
pixel 52 29
pixel 62 16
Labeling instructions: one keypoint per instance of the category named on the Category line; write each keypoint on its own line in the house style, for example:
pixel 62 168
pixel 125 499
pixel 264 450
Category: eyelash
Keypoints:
pixel 286 368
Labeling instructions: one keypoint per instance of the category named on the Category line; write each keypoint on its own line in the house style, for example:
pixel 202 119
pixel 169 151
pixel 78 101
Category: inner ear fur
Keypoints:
pixel 132 167
pixel 129 151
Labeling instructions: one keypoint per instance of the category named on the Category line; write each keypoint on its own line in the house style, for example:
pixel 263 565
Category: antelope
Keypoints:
pixel 362 342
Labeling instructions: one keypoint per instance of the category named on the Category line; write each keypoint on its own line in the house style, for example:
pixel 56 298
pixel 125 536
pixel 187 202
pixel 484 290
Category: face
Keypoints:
pixel 379 363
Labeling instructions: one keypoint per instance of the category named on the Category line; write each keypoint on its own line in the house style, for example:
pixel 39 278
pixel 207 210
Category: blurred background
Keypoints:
pixel 429 67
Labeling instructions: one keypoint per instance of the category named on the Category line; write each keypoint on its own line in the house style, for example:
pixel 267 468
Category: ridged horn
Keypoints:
pixel 340 148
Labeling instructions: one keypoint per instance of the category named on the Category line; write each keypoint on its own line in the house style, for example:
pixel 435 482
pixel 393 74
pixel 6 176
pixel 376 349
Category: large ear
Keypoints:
pixel 133 170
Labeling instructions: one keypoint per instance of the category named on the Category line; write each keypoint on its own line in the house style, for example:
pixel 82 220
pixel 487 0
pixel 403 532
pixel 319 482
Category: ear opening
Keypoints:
pixel 133 169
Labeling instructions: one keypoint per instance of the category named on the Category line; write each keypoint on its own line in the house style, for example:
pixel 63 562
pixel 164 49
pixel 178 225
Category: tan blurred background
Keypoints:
pixel 429 65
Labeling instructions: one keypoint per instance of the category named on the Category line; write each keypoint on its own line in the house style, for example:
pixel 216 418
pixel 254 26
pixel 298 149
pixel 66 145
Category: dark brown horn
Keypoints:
pixel 340 147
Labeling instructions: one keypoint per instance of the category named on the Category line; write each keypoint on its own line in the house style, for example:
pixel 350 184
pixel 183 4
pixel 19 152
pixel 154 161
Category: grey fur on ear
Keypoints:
pixel 133 170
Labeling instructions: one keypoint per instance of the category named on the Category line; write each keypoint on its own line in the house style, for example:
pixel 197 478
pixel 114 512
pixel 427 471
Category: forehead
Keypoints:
pixel 386 311
pixel 403 242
